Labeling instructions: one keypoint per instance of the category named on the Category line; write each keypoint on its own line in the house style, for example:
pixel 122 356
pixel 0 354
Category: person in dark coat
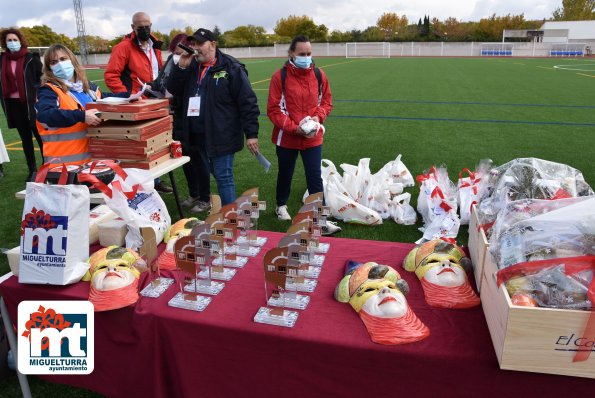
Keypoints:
pixel 20 73
pixel 219 108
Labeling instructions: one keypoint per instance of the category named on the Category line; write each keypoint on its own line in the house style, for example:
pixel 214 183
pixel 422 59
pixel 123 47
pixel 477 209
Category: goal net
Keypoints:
pixel 367 50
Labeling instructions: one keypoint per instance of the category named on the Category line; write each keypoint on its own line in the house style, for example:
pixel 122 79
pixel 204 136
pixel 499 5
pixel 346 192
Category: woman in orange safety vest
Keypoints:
pixel 62 120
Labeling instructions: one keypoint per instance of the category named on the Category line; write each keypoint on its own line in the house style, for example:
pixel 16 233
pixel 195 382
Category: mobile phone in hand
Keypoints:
pixel 189 50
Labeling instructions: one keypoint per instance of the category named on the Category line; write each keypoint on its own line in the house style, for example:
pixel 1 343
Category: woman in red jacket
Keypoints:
pixel 300 100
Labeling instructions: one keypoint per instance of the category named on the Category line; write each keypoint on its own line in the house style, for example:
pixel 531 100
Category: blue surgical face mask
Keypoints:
pixel 303 62
pixel 63 70
pixel 13 46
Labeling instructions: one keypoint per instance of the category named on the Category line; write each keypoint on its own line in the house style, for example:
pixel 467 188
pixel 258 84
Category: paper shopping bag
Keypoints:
pixel 54 233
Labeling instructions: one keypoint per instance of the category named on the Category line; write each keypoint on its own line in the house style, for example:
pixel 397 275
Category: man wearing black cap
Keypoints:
pixel 219 109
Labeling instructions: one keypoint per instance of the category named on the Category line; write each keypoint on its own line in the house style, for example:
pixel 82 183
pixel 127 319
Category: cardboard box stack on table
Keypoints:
pixel 138 134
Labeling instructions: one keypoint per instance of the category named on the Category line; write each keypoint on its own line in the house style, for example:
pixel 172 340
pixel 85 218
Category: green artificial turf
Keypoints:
pixel 433 111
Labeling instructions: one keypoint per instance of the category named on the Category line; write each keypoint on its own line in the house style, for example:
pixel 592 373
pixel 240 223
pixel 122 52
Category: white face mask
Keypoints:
pixel 176 58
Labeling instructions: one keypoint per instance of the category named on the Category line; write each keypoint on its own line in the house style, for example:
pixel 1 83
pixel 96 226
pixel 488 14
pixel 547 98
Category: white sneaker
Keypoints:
pixel 189 201
pixel 282 213
pixel 330 228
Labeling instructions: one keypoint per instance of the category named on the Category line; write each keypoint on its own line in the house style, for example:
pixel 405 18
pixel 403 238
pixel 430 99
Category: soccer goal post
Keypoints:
pixel 367 50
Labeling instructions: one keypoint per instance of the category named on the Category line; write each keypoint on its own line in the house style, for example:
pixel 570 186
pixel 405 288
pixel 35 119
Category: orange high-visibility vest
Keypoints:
pixel 68 145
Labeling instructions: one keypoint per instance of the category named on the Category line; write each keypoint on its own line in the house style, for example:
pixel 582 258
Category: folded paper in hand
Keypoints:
pixel 263 161
pixel 119 101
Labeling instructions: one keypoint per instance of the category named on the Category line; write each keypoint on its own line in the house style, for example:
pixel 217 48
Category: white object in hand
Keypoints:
pixel 310 127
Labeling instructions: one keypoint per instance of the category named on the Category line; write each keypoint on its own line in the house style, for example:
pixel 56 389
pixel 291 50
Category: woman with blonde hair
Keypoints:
pixel 62 119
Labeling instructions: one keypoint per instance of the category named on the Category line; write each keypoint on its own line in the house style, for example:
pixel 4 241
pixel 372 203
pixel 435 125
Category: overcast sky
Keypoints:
pixel 110 18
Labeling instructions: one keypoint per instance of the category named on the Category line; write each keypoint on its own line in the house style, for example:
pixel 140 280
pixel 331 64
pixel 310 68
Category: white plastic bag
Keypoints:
pixel 54 232
pixel 398 172
pixel 137 202
pixel 132 196
pixel 401 211
pixel 467 194
pixel 346 209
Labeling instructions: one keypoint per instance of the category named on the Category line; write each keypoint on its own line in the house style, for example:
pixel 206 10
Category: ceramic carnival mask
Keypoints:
pixel 377 293
pixel 179 229
pixel 114 278
pixel 440 266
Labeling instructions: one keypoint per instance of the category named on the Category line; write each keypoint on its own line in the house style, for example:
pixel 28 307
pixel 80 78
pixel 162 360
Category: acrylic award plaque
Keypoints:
pixel 205 241
pixel 323 212
pixel 311 263
pixel 148 251
pixel 220 231
pixel 313 233
pixel 207 248
pixel 276 295
pixel 188 266
pixel 249 205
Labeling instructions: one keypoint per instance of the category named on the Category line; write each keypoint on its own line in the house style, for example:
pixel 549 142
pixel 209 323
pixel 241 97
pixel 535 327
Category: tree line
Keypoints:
pixel 389 27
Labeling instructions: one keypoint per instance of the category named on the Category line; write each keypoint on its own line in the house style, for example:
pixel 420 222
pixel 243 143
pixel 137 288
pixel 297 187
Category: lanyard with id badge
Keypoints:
pixel 194 102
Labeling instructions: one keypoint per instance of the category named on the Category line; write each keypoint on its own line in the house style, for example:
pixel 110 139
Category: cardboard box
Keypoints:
pixel 14 259
pixel 132 116
pixel 144 105
pixel 98 215
pixel 132 146
pixel 129 153
pixel 137 131
pixel 478 247
pixel 155 160
pixel 543 340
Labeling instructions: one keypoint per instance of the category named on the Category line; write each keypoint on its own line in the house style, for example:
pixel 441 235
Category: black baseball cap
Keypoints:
pixel 202 35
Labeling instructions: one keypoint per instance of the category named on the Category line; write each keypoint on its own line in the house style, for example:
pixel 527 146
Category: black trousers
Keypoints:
pixel 18 116
pixel 197 172
pixel 286 159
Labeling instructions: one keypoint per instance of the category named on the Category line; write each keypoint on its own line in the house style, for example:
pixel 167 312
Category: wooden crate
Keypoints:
pixel 542 340
pixel 478 247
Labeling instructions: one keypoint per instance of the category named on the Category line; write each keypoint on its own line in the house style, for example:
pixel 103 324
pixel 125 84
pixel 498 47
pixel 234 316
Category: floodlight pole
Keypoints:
pixel 80 30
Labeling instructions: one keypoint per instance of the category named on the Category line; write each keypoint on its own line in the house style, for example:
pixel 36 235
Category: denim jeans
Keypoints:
pixel 286 159
pixel 222 169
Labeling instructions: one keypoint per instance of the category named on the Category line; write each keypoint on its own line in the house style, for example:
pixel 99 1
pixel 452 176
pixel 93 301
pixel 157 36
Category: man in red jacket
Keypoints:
pixel 134 61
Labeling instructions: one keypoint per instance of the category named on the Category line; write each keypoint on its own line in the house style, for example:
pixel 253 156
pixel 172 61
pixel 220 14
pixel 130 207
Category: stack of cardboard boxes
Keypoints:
pixel 138 134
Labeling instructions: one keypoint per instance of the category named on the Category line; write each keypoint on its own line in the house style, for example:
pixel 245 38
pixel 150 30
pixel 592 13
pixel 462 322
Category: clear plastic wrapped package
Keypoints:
pixel 528 178
pixel 531 230
pixel 469 188
pixel 559 283
pixel 437 204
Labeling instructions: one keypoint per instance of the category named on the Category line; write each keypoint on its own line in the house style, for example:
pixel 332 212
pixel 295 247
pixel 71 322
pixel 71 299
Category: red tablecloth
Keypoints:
pixel 153 350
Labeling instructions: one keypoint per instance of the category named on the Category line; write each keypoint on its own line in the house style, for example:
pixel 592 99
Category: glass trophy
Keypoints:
pixel 275 276
pixel 208 248
pixel 229 257
pixel 188 264
pixel 148 252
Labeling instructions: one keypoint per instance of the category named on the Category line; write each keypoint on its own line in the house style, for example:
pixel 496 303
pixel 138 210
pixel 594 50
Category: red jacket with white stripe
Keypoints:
pixel 300 100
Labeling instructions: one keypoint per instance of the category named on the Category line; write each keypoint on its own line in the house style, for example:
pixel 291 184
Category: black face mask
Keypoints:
pixel 143 33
